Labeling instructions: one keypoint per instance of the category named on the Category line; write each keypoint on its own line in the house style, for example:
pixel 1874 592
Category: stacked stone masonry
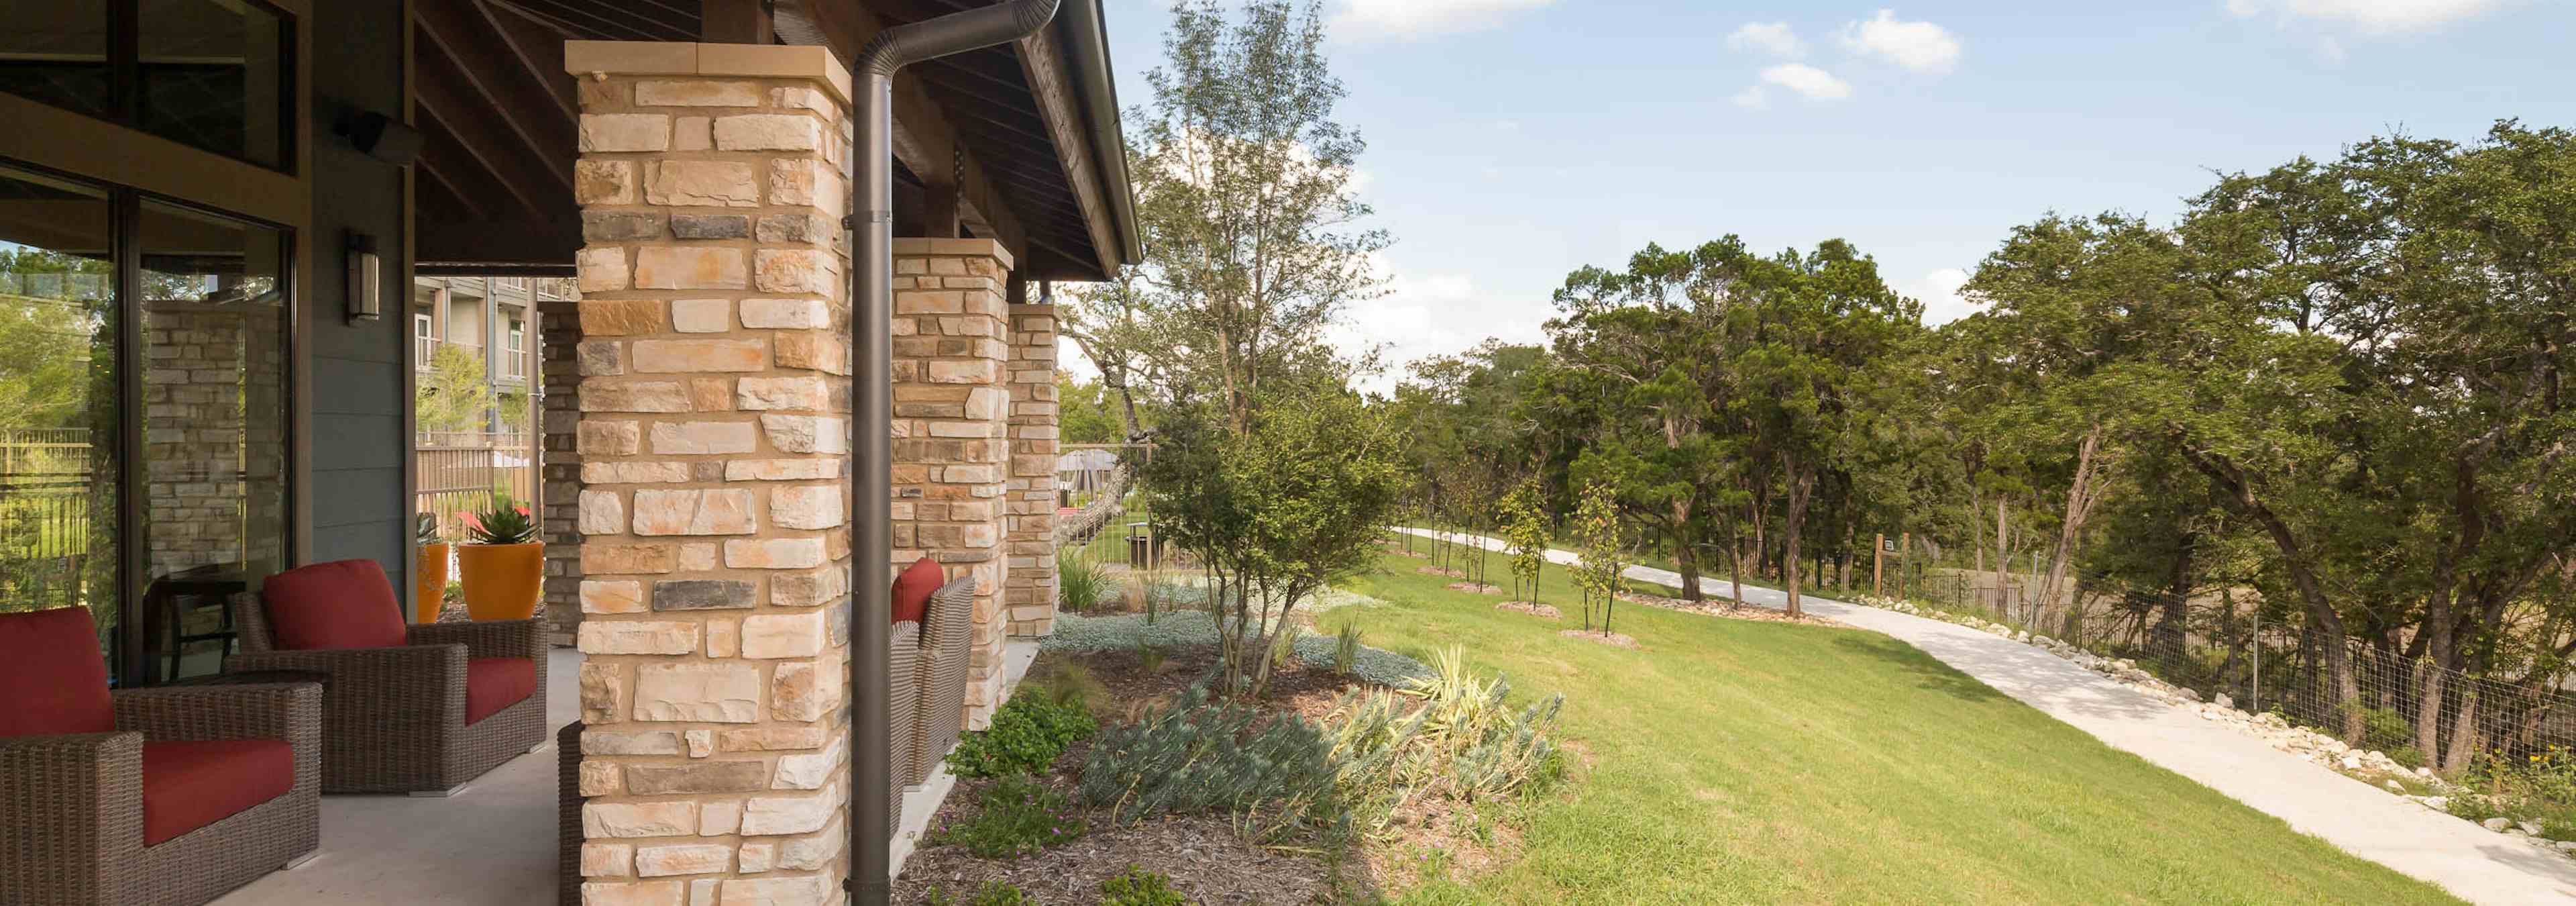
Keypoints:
pixel 952 443
pixel 1031 593
pixel 711 438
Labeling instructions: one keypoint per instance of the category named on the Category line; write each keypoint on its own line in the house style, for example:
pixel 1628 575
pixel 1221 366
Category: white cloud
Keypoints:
pixel 1380 20
pixel 1752 98
pixel 1773 38
pixel 1939 293
pixel 1919 46
pixel 1427 314
pixel 1808 81
pixel 2370 14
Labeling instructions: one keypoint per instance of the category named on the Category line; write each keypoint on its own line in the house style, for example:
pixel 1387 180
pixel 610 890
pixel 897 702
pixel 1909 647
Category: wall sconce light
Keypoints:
pixel 366 284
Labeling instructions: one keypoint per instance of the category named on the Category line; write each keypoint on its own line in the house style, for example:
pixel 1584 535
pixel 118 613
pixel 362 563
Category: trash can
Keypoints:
pixel 1140 546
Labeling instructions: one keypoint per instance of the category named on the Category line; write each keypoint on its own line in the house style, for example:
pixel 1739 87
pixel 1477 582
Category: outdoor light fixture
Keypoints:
pixel 366 288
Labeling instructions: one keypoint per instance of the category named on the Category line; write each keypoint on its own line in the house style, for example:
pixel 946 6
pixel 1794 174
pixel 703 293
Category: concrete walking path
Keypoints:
pixel 2471 862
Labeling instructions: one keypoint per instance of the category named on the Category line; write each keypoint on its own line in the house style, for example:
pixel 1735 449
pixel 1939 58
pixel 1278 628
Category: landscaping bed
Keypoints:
pixel 1079 786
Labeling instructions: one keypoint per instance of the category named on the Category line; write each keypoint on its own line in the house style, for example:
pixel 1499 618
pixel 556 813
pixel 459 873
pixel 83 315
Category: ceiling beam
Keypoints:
pixel 470 128
pixel 519 101
pixel 923 140
pixel 539 49
pixel 735 22
pixel 1045 68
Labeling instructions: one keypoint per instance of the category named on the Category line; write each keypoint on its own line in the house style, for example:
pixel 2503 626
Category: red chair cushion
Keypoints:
pixel 341 604
pixel 188 785
pixel 494 683
pixel 52 679
pixel 912 590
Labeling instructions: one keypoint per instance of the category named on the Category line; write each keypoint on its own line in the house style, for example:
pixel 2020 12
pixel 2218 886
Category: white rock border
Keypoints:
pixel 2305 743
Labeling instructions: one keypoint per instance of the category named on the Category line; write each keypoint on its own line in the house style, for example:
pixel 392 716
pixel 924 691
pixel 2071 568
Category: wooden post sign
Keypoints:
pixel 1877 560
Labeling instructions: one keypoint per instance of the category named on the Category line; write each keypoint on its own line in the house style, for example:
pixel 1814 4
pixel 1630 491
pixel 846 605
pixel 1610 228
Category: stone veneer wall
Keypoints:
pixel 713 440
pixel 213 481
pixel 952 408
pixel 1031 594
pixel 559 463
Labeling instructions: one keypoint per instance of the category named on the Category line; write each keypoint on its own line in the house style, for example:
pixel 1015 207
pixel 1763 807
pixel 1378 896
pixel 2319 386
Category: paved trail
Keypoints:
pixel 2469 861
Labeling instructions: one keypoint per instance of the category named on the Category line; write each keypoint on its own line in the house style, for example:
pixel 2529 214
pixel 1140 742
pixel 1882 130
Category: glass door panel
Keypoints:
pixel 58 390
pixel 214 426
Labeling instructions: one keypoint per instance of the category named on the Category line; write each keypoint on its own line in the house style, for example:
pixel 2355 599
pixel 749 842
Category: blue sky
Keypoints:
pixel 1511 141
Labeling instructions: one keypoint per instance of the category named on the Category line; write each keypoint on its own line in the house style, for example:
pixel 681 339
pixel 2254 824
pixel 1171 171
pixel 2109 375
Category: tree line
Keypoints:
pixel 2330 391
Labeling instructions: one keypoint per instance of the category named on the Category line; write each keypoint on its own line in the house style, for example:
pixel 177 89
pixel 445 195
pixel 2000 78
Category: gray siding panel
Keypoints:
pixel 356 442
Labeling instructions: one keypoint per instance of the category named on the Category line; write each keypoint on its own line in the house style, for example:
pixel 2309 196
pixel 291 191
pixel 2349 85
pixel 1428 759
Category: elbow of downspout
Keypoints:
pixel 1000 23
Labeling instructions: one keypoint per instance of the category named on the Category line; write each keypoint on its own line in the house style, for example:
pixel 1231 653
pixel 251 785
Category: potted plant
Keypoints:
pixel 503 563
pixel 429 580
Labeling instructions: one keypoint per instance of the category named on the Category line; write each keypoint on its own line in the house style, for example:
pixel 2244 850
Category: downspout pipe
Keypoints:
pixel 872 428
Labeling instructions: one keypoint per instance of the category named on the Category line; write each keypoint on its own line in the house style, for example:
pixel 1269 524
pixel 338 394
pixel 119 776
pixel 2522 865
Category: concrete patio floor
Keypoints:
pixel 492 844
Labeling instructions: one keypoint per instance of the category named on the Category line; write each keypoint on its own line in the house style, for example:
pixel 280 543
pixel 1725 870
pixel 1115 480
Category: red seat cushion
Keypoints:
pixel 494 683
pixel 52 679
pixel 912 590
pixel 341 604
pixel 188 785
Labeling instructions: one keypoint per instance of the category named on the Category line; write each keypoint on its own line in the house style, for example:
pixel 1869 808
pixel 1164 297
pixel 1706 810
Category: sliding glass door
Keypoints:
pixel 143 416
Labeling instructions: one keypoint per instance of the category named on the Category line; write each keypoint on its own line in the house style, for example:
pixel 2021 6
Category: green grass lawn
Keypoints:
pixel 1736 761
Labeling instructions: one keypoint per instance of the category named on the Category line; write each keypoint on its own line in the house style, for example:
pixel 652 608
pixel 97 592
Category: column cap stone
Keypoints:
pixel 954 248
pixel 771 61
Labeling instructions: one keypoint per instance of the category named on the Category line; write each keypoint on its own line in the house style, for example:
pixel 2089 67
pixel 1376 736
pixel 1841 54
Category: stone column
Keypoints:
pixel 1031 535
pixel 559 462
pixel 713 440
pixel 952 410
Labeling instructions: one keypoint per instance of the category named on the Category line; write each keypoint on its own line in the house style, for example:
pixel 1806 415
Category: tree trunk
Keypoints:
pixel 2171 629
pixel 2081 496
pixel 2003 561
pixel 1687 560
pixel 1800 485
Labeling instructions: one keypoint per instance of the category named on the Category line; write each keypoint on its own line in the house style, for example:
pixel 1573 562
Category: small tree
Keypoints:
pixel 1526 529
pixel 1276 510
pixel 454 395
pixel 1596 527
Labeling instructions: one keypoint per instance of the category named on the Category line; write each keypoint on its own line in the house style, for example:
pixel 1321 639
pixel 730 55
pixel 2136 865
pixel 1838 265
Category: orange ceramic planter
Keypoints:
pixel 502 581
pixel 429 584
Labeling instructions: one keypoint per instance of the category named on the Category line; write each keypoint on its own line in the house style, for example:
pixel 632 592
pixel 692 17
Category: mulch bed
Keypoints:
pixel 1206 861
pixel 1441 571
pixel 1204 857
pixel 1478 588
pixel 1732 611
pixel 1615 639
pixel 1544 610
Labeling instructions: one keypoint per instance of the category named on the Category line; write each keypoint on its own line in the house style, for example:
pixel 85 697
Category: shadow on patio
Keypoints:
pixel 494 843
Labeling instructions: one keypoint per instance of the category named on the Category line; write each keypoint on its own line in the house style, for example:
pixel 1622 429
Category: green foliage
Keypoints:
pixel 506 521
pixel 1525 527
pixel 1457 739
pixel 455 394
pixel 1015 817
pixel 1346 649
pixel 424 529
pixel 1026 735
pixel 1604 548
pixel 1082 413
pixel 994 893
pixel 1067 684
pixel 1138 887
pixel 1276 506
pixel 1272 772
pixel 1081 583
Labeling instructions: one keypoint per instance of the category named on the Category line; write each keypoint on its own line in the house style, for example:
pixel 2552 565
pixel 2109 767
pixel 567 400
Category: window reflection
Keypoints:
pixel 211 75
pixel 214 431
pixel 58 418
pixel 56 53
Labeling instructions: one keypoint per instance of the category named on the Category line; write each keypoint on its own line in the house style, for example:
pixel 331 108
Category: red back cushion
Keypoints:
pixel 342 604
pixel 52 679
pixel 912 589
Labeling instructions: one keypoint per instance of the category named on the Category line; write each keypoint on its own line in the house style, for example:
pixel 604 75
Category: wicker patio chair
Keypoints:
pixel 82 816
pixel 944 656
pixel 401 718
pixel 903 712
pixel 568 802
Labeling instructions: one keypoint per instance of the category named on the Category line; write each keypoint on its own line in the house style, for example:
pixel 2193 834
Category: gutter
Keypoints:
pixel 1086 42
pixel 872 424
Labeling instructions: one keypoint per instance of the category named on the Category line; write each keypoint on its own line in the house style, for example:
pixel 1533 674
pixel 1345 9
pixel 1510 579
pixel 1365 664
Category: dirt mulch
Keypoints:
pixel 1615 639
pixel 1476 588
pixel 1418 555
pixel 1441 571
pixel 1206 861
pixel 1542 610
pixel 1730 610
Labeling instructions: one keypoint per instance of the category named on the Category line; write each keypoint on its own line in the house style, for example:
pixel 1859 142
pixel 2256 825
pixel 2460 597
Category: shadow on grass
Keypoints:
pixel 1927 672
